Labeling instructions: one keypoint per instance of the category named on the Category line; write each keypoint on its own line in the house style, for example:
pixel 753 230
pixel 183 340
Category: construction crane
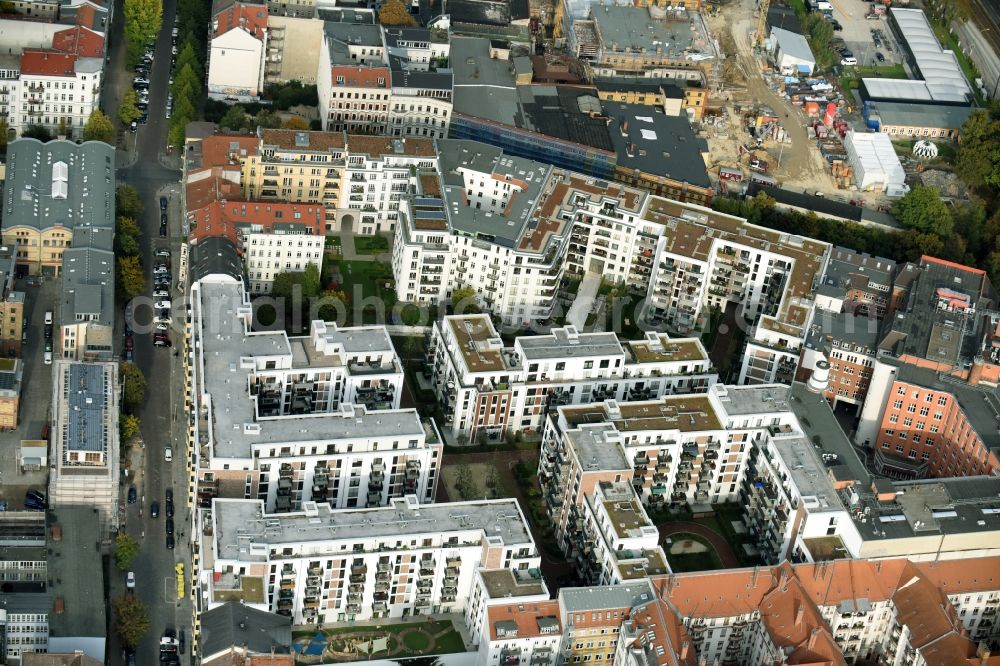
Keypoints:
pixel 761 34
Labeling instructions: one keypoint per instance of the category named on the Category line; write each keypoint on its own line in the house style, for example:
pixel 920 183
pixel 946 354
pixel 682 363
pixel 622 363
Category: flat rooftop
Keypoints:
pixel 809 473
pixel 605 597
pixel 688 413
pixel 241 524
pixel 933 506
pixel 695 230
pixel 501 583
pixel 506 227
pixel 86 390
pixel 626 516
pixel 595 449
pixel 75 574
pixel 647 139
pixel 821 427
pixel 567 342
pixel 236 427
pixel 748 400
pixel 478 343
pixel 666 350
pixel 624 29
pixel 633 564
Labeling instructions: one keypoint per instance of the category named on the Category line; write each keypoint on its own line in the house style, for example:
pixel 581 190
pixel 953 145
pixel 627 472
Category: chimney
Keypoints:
pixel 685 646
pixel 800 613
pixel 813 636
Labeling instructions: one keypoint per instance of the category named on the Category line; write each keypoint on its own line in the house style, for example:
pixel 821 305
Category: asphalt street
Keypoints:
pixel 141 158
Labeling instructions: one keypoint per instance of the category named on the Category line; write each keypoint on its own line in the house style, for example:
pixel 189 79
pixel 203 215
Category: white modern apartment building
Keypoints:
pixel 379 173
pixel 512 228
pixel 487 389
pixel 295 420
pixel 85 452
pixel 321 565
pixel 237 53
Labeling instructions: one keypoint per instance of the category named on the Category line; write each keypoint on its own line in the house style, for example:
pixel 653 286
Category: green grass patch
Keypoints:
pixel 683 562
pixel 371 244
pixel 416 641
pixel 850 77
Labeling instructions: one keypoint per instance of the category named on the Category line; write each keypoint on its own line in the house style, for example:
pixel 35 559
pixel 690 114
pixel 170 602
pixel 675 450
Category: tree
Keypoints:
pixel 923 210
pixel 126 548
pixel 128 203
pixel 128 111
pixel 235 118
pixel 297 123
pixel 267 119
pixel 131 278
pixel 978 158
pixel 142 24
pixel 188 56
pixel 4 131
pixel 133 384
pixel 393 12
pixel 464 483
pixel 39 132
pixel 463 301
pixel 493 482
pixel 819 32
pixel 292 285
pixel 126 225
pixel 131 619
pixel 99 128
pixel 126 246
pixel 129 426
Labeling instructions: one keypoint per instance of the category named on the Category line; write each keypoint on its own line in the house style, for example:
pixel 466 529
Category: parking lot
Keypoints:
pixel 857 34
pixel 36 395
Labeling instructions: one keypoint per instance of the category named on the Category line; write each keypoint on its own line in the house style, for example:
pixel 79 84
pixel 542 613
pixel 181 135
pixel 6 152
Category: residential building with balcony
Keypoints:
pixel 497 588
pixel 297 167
pixel 609 538
pixel 321 565
pixel 237 53
pixel 317 418
pixel 379 174
pixel 487 389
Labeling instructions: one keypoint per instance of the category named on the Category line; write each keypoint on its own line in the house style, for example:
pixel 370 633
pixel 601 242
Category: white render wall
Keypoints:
pixel 270 254
pixel 236 65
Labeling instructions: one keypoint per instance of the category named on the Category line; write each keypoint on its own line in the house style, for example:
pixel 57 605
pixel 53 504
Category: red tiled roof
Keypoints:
pixel 226 149
pixel 82 41
pixel 252 18
pixel 46 62
pixel 360 77
pixel 525 616
pixel 85 14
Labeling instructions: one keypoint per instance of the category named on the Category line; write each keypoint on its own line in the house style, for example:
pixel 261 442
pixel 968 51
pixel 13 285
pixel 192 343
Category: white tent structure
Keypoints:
pixel 874 161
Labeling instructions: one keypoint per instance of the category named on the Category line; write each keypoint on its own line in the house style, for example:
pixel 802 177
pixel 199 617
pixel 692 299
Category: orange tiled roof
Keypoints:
pixel 525 616
pixel 82 41
pixel 226 149
pixel 252 18
pixel 669 632
pixel 46 62
pixel 360 77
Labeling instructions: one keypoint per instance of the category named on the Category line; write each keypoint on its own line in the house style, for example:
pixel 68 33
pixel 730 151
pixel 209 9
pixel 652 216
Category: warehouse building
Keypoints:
pixel 933 104
pixel 791 52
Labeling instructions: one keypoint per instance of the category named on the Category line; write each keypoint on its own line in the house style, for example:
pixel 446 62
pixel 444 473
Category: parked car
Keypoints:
pixel 163 320
pixel 130 657
pixel 163 252
pixel 130 580
pixel 154 510
pixel 170 542
pixel 134 127
pixel 162 342
pixel 162 293
pixel 33 505
pixel 879 57
pixel 141 79
pixel 132 495
pixel 163 203
pixel 169 495
pixel 170 509
pixel 48 358
pixel 163 230
pixel 850 61
pixel 162 327
pixel 170 525
pixel 168 454
pixel 162 305
pixel 35 493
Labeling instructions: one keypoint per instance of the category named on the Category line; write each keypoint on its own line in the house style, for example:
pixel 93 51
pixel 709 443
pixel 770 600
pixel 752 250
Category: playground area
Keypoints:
pixel 391 641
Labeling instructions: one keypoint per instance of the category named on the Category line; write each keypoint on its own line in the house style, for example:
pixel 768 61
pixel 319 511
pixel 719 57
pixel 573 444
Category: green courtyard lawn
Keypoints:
pixel 371 244
pixel 705 559
pixel 412 639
